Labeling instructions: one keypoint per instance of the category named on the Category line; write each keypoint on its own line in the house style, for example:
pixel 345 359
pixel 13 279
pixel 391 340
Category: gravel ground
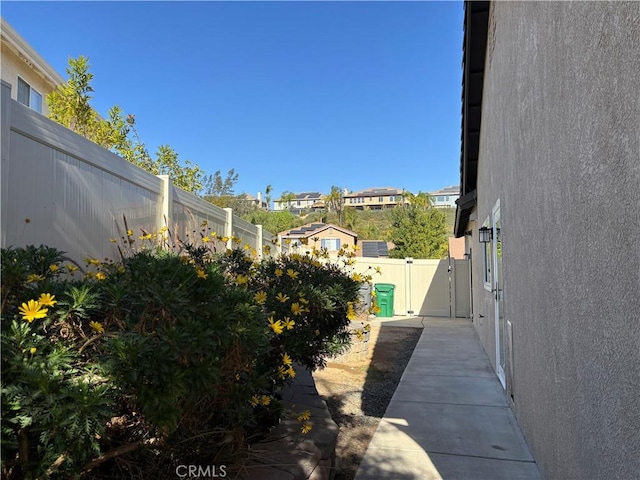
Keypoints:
pixel 357 393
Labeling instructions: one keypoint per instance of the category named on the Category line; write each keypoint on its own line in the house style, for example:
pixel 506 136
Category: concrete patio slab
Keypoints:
pixel 448 418
pixel 469 430
pixel 460 390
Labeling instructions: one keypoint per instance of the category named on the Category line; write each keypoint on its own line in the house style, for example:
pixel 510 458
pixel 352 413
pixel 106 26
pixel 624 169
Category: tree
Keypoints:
pixel 274 222
pixel 335 202
pixel 70 105
pixel 418 230
pixel 267 195
pixel 287 197
pixel 216 186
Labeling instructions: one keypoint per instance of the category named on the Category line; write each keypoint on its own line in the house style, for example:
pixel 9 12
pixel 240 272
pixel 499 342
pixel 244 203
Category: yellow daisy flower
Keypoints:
pixel 54 268
pixel 351 313
pixel 32 310
pixel 47 299
pixel 100 276
pixel 293 274
pixel 276 326
pixel 71 268
pixel 291 372
pixel 288 323
pixel 265 400
pixel 260 298
pixel 255 400
pixel 278 272
pixel 286 359
pixel 281 297
pixel 242 279
pixel 306 415
pixel 200 273
pixel 32 278
pixel 306 428
pixel 296 309
pixel 33 350
pixel 97 326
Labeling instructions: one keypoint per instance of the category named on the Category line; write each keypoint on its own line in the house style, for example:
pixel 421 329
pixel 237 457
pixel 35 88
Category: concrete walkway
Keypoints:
pixel 448 419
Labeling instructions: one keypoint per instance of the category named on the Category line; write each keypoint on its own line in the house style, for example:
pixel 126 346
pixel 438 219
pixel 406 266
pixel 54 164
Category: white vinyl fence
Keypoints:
pixel 438 288
pixel 62 190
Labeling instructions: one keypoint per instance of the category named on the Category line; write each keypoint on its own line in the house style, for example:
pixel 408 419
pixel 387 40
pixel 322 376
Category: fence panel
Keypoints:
pixel 423 287
pixel 64 191
pixel 462 286
pixel 429 287
pixel 71 191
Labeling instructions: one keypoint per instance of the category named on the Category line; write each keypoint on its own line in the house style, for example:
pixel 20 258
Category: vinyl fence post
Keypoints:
pixel 259 241
pixel 163 218
pixel 228 227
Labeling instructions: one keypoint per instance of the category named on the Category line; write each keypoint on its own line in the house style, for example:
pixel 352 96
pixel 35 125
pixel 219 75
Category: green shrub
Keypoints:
pixel 167 356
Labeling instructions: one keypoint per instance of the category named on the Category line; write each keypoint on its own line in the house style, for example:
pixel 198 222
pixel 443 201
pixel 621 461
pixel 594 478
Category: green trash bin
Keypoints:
pixel 384 298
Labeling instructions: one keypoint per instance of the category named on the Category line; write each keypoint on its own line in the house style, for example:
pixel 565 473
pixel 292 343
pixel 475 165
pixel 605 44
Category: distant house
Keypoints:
pixel 550 185
pixel 320 235
pixel 301 201
pixel 445 197
pixel 374 198
pixel 30 76
pixel 257 201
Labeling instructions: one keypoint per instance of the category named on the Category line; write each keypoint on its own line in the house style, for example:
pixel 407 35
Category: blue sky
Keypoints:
pixel 299 95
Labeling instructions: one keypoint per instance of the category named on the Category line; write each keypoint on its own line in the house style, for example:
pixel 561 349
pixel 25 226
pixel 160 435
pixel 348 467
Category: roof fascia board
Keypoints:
pixel 20 45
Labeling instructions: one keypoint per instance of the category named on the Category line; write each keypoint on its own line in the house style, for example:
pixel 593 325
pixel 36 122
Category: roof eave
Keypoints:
pixel 476 20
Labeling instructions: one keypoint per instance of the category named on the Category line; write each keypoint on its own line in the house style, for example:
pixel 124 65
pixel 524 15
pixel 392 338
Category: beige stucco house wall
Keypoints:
pixel 320 235
pixel 551 116
pixel 19 59
pixel 374 198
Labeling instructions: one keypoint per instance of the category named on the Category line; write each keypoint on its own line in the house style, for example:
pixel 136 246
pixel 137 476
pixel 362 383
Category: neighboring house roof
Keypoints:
pixel 374 248
pixel 476 20
pixel 452 190
pixel 375 192
pixel 23 50
pixel 312 229
pixel 309 196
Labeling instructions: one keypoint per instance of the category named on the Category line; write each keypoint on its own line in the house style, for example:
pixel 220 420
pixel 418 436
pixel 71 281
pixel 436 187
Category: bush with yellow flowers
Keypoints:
pixel 169 356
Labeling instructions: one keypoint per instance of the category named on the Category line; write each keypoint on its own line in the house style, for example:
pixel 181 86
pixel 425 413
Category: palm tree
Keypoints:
pixel 267 195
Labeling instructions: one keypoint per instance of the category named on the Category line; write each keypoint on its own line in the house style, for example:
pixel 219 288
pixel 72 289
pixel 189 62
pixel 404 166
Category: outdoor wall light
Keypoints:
pixel 484 234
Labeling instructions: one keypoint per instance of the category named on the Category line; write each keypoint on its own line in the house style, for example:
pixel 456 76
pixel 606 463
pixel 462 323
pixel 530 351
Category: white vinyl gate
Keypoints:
pixel 438 288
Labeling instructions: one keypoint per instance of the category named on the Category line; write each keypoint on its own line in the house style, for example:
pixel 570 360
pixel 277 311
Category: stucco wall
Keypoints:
pixel 13 66
pixel 560 148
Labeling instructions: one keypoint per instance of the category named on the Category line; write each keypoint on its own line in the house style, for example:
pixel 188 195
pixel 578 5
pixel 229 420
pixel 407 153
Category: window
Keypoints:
pixel 391 198
pixel 331 244
pixel 29 96
pixel 487 260
pixel 380 199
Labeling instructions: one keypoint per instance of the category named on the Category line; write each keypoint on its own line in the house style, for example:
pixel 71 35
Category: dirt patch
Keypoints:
pixel 357 393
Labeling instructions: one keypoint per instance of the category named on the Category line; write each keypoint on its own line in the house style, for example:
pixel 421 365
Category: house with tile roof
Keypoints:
pixel 301 201
pixel 374 198
pixel 320 236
